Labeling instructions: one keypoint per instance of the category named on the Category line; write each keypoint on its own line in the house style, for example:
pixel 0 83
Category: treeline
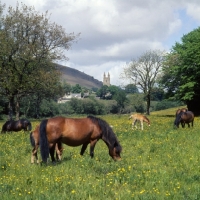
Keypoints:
pixel 105 100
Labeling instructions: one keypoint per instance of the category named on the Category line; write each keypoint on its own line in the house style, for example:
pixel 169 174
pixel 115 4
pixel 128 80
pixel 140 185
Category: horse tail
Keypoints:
pixel 32 139
pixel 44 145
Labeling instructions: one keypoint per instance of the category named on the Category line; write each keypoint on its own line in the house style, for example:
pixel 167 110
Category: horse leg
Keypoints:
pixel 34 154
pixel 92 145
pixel 51 151
pixel 58 151
pixel 134 124
pixel 141 125
pixel 84 147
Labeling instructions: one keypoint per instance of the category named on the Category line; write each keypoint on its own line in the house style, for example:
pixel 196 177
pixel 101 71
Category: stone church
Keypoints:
pixel 106 79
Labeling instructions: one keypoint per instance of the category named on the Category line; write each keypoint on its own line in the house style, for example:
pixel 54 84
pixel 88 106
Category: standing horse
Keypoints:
pixel 34 139
pixel 75 132
pixel 184 118
pixel 12 125
pixel 139 117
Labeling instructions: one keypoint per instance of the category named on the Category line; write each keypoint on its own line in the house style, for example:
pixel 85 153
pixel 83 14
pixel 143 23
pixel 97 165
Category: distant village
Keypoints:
pixel 68 97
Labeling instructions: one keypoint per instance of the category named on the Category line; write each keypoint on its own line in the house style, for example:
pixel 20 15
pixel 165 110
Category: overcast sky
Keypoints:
pixel 113 32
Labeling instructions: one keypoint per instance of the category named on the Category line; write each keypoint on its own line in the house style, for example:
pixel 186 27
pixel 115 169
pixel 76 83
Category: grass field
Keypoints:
pixel 159 162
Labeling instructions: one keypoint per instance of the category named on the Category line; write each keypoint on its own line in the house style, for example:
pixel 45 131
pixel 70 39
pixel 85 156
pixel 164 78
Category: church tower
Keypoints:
pixel 106 79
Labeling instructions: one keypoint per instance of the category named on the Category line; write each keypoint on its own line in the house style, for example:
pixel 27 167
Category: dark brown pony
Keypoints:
pixel 76 132
pixel 11 125
pixel 34 139
pixel 184 118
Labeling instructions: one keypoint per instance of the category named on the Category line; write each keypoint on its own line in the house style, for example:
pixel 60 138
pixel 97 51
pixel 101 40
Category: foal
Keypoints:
pixel 34 139
pixel 139 117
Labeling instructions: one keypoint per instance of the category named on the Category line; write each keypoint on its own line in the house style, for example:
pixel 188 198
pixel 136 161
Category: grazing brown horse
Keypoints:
pixel 184 118
pixel 12 125
pixel 139 117
pixel 75 132
pixel 34 139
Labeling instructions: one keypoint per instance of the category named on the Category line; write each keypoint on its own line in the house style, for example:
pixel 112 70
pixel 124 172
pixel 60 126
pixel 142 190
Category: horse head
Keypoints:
pixel 147 120
pixel 178 119
pixel 115 151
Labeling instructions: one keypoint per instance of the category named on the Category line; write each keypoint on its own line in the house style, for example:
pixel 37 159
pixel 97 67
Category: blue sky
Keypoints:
pixel 113 32
pixel 188 25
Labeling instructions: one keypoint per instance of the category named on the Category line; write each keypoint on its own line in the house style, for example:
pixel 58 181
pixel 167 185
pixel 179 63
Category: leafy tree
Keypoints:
pixel 181 72
pixel 102 92
pixel 77 105
pixel 137 102
pixel 76 89
pixel 144 72
pixel 49 108
pixel 157 94
pixel 120 97
pixel 30 43
pixel 66 87
pixel 131 88
pixel 113 90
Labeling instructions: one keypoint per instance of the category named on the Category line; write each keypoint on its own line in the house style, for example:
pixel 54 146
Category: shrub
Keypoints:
pixel 165 104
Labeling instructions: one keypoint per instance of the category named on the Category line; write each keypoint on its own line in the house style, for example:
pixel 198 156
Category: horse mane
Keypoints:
pixel 107 133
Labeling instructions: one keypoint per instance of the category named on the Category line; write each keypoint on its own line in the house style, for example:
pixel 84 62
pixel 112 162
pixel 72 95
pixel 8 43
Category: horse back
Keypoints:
pixel 71 131
pixel 187 116
pixel 140 117
pixel 136 116
pixel 8 126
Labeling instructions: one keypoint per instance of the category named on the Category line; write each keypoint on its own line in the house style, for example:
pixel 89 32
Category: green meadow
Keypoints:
pixel 160 162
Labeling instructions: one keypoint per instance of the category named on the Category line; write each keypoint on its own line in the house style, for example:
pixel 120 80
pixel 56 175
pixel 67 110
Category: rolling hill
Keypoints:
pixel 73 77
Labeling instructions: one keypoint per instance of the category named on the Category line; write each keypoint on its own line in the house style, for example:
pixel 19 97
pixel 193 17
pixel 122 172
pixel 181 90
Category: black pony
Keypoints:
pixel 12 125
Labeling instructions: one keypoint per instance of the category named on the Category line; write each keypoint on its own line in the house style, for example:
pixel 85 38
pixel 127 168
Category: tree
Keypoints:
pixel 66 87
pixel 181 72
pixel 131 88
pixel 157 94
pixel 76 89
pixel 120 98
pixel 101 92
pixel 144 72
pixel 30 43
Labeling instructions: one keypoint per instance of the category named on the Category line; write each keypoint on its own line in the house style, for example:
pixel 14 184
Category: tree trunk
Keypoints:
pixel 28 107
pixel 17 109
pixel 10 108
pixel 148 104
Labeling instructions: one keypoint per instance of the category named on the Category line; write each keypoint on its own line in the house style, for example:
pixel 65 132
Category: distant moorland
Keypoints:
pixel 73 77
